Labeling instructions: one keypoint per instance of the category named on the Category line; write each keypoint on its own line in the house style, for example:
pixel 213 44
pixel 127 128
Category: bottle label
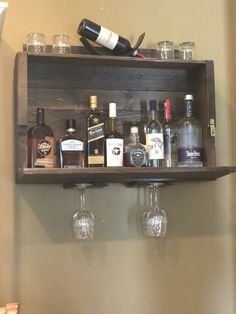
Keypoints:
pixel 45 149
pixel 114 152
pixel 137 158
pixel 95 132
pixel 72 145
pixel 155 146
pixel 190 154
pixel 107 38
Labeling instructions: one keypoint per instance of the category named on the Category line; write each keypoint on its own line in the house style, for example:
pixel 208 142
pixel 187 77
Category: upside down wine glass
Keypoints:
pixel 83 221
pixel 154 219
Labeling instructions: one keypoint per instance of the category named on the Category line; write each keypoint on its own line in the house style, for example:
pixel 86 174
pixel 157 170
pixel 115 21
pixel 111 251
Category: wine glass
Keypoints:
pixel 83 221
pixel 154 219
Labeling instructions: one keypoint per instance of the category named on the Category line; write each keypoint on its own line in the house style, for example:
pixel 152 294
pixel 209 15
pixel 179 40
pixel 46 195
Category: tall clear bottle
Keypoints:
pixel 95 135
pixel 40 143
pixel 154 138
pixel 170 137
pixel 114 142
pixel 190 150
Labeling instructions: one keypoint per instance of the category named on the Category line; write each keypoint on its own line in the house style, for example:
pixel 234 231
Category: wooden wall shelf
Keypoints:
pixel 62 85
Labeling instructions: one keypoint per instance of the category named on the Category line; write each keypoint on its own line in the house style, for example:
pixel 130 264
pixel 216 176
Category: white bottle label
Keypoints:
pixel 72 145
pixel 155 145
pixel 114 152
pixel 107 38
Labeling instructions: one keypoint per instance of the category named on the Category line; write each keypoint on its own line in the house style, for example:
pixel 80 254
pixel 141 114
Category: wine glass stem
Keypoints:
pixel 82 198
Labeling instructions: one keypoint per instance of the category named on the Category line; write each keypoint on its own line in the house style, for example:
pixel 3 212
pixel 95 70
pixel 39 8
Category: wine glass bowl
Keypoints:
pixel 154 219
pixel 83 221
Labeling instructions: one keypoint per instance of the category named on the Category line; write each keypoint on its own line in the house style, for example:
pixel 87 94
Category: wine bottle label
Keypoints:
pixel 45 149
pixel 107 38
pixel 72 145
pixel 95 132
pixel 114 152
pixel 193 154
pixel 155 145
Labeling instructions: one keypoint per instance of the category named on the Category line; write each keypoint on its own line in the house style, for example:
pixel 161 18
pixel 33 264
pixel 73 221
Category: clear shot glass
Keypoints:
pixel 165 50
pixel 35 42
pixel 61 44
pixel 186 50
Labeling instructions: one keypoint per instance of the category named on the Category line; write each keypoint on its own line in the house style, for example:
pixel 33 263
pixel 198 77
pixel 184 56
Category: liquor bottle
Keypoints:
pixel 170 138
pixel 114 142
pixel 104 37
pixel 71 147
pixel 95 135
pixel 40 143
pixel 190 151
pixel 154 138
pixel 134 152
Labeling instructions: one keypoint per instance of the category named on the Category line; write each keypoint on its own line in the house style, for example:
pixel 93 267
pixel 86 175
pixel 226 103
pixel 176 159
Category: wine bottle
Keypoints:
pixel 170 137
pixel 190 150
pixel 40 143
pixel 114 142
pixel 154 138
pixel 105 37
pixel 95 135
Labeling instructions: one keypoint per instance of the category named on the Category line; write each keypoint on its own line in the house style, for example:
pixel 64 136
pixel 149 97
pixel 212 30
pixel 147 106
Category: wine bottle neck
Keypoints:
pixel 112 124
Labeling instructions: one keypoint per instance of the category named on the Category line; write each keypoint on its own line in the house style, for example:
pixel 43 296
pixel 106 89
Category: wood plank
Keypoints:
pixel 125 175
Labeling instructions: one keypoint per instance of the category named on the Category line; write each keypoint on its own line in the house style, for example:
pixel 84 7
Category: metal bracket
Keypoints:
pixel 212 127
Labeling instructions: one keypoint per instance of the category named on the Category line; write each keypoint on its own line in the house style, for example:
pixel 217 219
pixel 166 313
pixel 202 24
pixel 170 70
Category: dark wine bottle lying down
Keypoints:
pixel 116 44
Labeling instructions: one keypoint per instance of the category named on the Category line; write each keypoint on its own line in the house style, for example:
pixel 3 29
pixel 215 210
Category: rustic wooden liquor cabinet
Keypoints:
pixel 62 85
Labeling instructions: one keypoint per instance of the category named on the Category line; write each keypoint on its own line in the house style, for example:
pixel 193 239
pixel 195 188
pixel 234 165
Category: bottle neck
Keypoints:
pixel 134 138
pixel 167 113
pixel 154 115
pixel 112 124
pixel 40 118
pixel 70 131
pixel 188 108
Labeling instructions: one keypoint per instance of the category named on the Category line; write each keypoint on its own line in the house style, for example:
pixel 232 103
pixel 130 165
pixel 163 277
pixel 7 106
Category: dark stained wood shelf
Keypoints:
pixel 125 175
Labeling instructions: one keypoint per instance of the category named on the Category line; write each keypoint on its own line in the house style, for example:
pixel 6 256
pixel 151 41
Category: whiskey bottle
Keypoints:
pixel 134 152
pixel 71 148
pixel 40 143
pixel 114 142
pixel 170 137
pixel 154 138
pixel 95 135
pixel 190 151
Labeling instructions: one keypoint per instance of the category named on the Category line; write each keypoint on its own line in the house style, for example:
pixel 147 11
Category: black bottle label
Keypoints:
pixel 194 154
pixel 44 148
pixel 95 132
pixel 137 158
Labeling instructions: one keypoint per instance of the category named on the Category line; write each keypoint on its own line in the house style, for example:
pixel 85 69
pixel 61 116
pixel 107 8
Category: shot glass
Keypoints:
pixel 186 50
pixel 35 42
pixel 165 50
pixel 61 44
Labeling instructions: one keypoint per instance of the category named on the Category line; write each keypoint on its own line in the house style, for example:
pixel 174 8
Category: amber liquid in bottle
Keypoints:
pixel 71 148
pixel 40 143
pixel 95 135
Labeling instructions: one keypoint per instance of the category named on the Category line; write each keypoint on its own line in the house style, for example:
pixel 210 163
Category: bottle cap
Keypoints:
pixel 112 110
pixel 71 124
pixel 188 97
pixel 153 104
pixel 134 129
pixel 93 101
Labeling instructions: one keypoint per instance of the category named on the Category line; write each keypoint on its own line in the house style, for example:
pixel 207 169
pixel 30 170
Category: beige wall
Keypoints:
pixel 192 270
